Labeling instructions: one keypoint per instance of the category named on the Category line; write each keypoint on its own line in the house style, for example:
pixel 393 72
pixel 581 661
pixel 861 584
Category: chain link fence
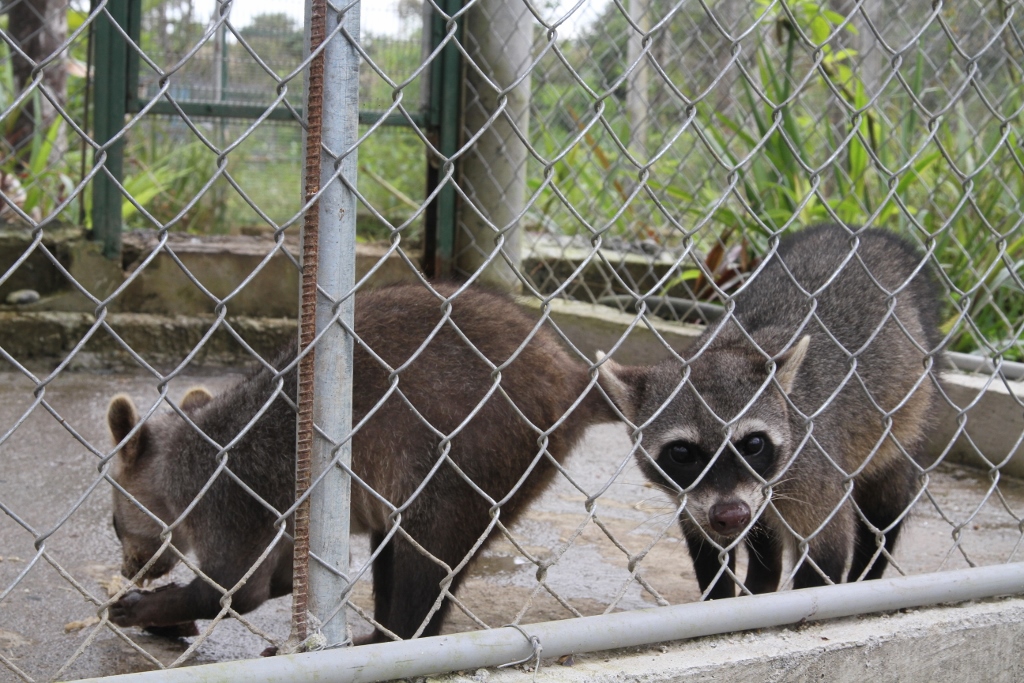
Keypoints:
pixel 627 170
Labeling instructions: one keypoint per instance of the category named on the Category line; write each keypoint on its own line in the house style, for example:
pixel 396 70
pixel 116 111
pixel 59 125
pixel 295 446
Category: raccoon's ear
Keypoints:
pixel 195 398
pixel 625 385
pixel 122 418
pixel 788 364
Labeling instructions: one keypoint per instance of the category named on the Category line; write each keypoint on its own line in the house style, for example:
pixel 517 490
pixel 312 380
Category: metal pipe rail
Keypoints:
pixel 477 649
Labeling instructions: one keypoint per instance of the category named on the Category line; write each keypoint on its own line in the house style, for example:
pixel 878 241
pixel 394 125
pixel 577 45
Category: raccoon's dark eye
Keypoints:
pixel 752 445
pixel 758 451
pixel 682 462
pixel 681 453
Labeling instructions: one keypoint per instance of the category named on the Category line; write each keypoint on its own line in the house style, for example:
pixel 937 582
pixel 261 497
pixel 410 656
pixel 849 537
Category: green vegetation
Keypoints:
pixel 804 138
pixel 802 127
pixel 267 166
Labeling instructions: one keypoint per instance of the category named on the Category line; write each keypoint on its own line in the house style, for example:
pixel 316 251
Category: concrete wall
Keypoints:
pixel 158 284
pixel 980 641
pixel 993 435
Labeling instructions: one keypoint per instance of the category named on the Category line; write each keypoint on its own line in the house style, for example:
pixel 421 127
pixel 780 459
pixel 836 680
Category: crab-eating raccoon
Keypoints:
pixel 165 463
pixel 816 454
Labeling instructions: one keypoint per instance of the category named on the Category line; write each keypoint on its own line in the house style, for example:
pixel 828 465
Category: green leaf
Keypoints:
pixel 38 162
pixel 820 29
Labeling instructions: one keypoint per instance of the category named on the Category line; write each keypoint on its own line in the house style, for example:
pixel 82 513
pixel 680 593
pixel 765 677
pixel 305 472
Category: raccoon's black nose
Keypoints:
pixel 729 518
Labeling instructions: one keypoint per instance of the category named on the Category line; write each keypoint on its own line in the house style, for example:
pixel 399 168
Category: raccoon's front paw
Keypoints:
pixel 122 612
pixel 149 610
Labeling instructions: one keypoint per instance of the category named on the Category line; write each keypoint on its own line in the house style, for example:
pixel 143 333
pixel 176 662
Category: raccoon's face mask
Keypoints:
pixel 717 430
pixel 717 466
pixel 724 477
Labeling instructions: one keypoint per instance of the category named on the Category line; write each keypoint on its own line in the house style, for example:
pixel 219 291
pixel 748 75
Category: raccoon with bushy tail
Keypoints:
pixel 795 420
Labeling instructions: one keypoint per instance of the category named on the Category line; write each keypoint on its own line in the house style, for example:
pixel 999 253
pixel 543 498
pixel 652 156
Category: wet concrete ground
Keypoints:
pixel 51 499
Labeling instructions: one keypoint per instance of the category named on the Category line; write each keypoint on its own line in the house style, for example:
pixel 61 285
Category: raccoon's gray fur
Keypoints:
pixel 878 316
pixel 166 463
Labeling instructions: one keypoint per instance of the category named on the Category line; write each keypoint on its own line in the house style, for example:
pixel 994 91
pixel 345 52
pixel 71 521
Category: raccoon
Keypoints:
pixel 794 420
pixel 496 441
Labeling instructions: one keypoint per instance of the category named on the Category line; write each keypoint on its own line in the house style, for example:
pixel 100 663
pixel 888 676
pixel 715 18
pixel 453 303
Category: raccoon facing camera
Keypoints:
pixel 406 475
pixel 795 422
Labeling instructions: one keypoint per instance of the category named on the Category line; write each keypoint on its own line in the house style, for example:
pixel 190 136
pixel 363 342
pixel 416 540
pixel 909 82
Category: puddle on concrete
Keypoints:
pixel 501 565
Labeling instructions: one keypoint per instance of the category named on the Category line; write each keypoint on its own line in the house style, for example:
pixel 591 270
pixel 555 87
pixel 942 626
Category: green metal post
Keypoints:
pixel 111 88
pixel 135 31
pixel 444 115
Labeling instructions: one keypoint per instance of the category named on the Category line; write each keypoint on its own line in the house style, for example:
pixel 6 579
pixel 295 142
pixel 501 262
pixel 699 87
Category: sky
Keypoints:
pixel 378 16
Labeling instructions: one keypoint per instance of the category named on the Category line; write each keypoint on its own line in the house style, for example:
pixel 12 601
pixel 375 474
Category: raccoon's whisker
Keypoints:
pixel 664 488
pixel 794 499
pixel 787 495
pixel 651 520
pixel 654 504
pixel 754 552
pixel 637 484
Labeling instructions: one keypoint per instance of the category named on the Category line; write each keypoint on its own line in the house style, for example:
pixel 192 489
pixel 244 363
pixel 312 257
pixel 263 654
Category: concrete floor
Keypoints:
pixel 52 500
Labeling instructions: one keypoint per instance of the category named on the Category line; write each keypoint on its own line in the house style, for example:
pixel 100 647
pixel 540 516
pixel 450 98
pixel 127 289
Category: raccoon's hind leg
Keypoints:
pixel 407 582
pixel 829 550
pixel 883 499
pixel 706 565
pixel 764 561
pixel 383 582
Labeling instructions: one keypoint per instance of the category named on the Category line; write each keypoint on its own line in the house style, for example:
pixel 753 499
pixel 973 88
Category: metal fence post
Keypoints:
pixel 332 413
pixel 637 95
pixel 329 242
pixel 499 37
pixel 443 114
pixel 111 86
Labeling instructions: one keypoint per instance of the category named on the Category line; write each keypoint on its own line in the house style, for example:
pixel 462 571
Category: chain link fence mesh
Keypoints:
pixel 644 156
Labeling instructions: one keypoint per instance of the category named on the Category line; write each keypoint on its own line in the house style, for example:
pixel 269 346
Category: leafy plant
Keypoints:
pixel 973 227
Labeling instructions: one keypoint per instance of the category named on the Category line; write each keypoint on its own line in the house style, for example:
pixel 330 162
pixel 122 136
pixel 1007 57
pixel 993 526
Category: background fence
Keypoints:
pixel 613 153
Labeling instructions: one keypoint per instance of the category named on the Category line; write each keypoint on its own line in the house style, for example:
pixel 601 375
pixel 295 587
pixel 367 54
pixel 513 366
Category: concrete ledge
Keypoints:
pixel 219 263
pixel 551 263
pixel 993 408
pixel 163 341
pixel 995 422
pixel 968 642
pixel 592 328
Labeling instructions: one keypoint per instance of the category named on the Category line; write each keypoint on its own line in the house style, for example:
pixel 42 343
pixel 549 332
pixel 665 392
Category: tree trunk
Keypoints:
pixel 39 28
pixel 499 37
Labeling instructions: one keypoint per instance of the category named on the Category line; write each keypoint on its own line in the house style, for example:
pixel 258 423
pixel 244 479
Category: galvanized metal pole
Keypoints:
pixel 460 651
pixel 637 92
pixel 325 376
pixel 499 40
pixel 332 413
